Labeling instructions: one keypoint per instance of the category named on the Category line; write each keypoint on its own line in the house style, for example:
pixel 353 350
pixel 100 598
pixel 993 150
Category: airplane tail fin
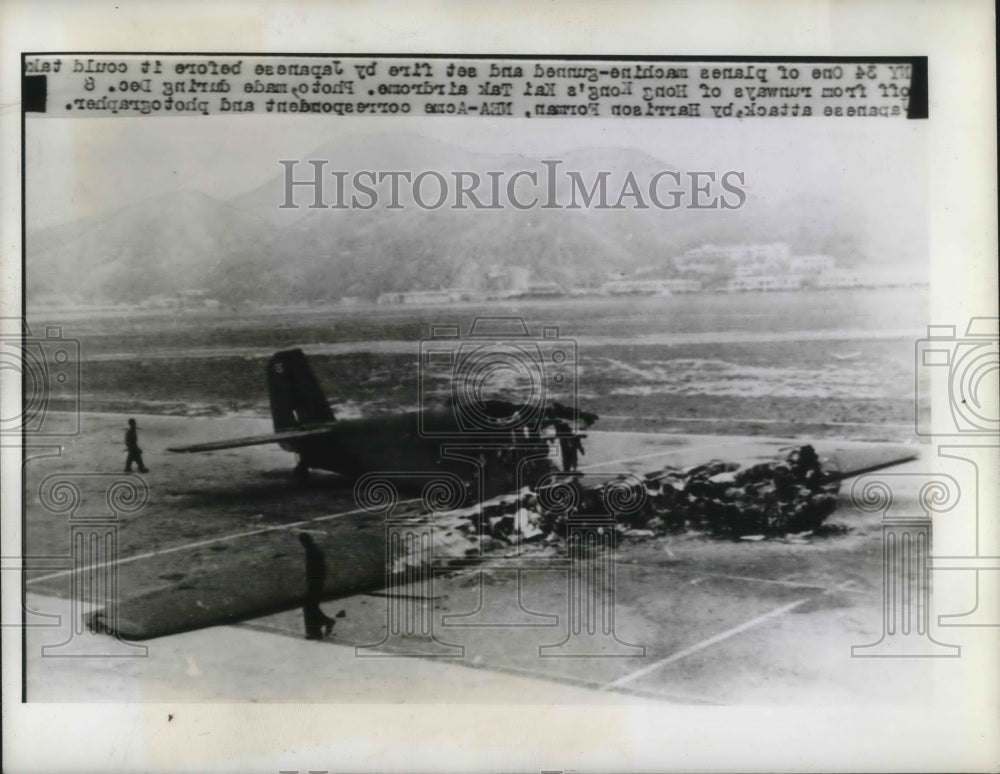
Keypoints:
pixel 296 397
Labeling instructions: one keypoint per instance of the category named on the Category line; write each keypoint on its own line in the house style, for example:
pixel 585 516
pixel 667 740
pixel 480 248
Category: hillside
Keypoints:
pixel 248 250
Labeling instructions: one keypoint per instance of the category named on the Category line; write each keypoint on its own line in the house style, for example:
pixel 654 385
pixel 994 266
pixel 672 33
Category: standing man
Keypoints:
pixel 318 623
pixel 569 445
pixel 134 452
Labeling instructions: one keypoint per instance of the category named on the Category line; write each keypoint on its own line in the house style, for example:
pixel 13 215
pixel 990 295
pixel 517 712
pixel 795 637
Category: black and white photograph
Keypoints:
pixel 650 396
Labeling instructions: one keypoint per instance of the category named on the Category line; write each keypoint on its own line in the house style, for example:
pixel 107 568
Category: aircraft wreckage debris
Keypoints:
pixel 781 499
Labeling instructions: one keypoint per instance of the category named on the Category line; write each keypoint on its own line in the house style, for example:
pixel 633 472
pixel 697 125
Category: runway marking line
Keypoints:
pixel 846 586
pixel 510 669
pixel 210 541
pixel 720 637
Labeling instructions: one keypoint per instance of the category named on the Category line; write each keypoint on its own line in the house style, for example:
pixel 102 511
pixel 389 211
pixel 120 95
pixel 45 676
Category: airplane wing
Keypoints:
pixel 265 576
pixel 255 440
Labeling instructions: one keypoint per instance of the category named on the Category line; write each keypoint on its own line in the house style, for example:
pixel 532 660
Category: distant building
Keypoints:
pixel 764 283
pixel 418 297
pixel 810 264
pixel 843 278
pixel 707 258
pixel 766 266
pixel 870 278
pixel 774 252
pixel 536 290
pixel 650 287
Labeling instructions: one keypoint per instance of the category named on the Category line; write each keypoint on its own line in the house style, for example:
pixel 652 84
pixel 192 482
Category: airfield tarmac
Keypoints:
pixel 697 620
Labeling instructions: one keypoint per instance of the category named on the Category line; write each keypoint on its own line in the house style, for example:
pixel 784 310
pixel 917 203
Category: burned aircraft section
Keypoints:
pixel 479 476
pixel 494 445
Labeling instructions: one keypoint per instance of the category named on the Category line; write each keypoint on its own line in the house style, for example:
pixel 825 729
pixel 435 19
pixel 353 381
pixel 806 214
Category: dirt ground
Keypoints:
pixel 692 620
pixel 814 364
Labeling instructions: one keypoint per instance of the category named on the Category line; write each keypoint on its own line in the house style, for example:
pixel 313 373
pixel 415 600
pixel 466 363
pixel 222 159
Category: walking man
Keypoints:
pixel 134 452
pixel 318 623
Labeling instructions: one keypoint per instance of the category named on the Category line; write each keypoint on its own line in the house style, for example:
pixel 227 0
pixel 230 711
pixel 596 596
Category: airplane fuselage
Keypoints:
pixel 426 442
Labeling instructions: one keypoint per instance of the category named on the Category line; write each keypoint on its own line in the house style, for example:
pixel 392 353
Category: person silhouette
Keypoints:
pixel 132 446
pixel 318 624
pixel 570 446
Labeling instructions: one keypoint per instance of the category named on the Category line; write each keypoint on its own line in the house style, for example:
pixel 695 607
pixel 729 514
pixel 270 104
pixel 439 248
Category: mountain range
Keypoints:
pixel 249 250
